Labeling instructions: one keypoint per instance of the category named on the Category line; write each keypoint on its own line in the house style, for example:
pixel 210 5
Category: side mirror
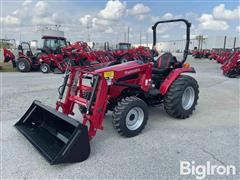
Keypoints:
pixel 238 62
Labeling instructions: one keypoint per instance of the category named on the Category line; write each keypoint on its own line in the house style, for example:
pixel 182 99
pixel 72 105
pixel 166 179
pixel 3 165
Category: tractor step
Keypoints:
pixel 58 137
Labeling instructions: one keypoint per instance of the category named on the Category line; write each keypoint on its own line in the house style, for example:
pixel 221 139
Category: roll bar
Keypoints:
pixel 188 25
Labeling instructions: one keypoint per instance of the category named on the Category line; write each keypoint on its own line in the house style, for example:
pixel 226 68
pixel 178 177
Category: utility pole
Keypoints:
pixel 224 43
pixel 20 37
pixel 140 40
pixel 128 34
pixel 234 42
pixel 147 38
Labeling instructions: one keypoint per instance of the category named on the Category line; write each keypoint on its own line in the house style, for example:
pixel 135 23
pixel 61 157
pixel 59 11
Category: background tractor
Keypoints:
pixel 27 60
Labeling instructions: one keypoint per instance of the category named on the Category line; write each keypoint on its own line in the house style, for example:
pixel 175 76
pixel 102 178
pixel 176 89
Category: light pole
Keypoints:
pixel 140 40
pixel 128 35
pixel 147 38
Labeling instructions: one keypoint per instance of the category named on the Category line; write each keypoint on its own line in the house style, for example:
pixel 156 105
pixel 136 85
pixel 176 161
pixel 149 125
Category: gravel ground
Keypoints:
pixel 211 134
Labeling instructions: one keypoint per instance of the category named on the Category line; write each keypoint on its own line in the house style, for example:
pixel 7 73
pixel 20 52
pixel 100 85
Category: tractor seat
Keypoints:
pixel 163 63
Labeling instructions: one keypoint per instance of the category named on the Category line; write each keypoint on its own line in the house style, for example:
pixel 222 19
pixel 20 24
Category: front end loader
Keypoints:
pixel 126 89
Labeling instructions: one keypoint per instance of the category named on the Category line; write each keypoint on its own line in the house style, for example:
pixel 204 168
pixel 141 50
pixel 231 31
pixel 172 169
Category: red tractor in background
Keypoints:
pixel 126 53
pixel 126 89
pixel 52 44
pixel 231 67
pixel 223 56
pixel 27 60
pixel 197 53
pixel 206 53
pixel 123 46
pixel 203 53
pixel 213 54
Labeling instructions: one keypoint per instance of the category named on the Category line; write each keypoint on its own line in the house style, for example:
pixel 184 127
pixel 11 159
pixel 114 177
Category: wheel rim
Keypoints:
pixel 134 118
pixel 188 98
pixel 21 65
pixel 44 68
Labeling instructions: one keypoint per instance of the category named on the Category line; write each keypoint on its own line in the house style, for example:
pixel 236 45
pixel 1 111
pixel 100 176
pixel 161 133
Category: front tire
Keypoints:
pixel 45 68
pixel 181 98
pixel 233 73
pixel 130 116
pixel 23 65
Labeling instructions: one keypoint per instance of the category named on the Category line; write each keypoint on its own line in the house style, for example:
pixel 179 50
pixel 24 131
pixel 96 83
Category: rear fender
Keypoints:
pixel 172 76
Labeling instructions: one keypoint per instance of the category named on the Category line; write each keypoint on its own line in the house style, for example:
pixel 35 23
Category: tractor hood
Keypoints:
pixel 128 68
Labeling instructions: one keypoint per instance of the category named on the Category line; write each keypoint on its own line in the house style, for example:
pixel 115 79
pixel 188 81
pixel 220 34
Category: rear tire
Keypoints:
pixel 130 116
pixel 181 98
pixel 23 65
pixel 45 68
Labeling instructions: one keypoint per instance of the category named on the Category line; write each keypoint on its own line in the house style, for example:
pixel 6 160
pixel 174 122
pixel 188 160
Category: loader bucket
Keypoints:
pixel 58 137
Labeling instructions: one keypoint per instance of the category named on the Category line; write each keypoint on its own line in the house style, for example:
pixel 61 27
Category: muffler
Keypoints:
pixel 58 137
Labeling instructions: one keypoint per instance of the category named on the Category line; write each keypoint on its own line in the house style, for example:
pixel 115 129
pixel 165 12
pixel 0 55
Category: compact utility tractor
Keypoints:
pixel 25 61
pixel 213 55
pixel 223 56
pixel 52 44
pixel 81 54
pixel 206 53
pixel 125 55
pixel 53 63
pixel 231 68
pixel 126 89
pixel 57 57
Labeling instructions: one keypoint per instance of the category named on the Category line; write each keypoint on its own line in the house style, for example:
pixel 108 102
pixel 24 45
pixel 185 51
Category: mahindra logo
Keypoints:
pixel 132 71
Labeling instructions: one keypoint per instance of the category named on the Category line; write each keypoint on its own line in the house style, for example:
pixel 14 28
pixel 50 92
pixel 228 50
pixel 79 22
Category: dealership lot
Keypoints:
pixel 210 134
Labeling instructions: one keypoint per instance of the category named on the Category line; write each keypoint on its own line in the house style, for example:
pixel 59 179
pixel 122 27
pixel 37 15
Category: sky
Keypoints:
pixel 108 20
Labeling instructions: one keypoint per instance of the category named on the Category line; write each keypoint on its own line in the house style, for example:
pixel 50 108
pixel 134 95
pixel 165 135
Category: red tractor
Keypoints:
pixel 214 53
pixel 206 53
pixel 231 68
pixel 198 54
pixel 53 63
pixel 126 55
pixel 83 55
pixel 52 44
pixel 25 61
pixel 126 89
pixel 223 56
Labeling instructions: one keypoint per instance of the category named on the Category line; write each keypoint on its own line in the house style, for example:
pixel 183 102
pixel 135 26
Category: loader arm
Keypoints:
pixel 105 83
